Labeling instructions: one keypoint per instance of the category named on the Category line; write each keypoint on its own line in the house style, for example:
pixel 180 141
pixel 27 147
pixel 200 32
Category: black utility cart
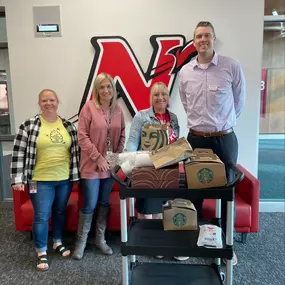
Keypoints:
pixel 147 237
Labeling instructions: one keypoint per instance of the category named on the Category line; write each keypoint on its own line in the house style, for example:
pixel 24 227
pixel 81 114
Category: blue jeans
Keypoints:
pixel 51 196
pixel 94 191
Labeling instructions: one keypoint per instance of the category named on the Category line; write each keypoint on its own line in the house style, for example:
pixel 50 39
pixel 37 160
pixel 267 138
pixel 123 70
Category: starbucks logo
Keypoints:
pixel 179 220
pixel 205 175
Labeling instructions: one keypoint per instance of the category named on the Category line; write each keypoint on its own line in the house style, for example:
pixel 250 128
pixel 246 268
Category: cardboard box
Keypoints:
pixel 149 177
pixel 154 136
pixel 171 154
pixel 179 215
pixel 204 170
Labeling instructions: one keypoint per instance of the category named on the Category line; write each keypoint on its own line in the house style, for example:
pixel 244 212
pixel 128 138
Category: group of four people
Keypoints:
pixel 46 155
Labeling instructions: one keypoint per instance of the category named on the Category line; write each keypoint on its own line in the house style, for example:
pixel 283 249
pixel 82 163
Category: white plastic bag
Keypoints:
pixel 128 160
pixel 210 236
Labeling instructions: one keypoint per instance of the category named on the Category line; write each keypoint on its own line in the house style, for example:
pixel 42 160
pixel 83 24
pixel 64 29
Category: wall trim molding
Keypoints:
pixel 272 206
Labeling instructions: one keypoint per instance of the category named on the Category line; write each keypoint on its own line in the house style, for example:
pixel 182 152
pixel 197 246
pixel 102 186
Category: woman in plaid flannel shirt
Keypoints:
pixel 46 159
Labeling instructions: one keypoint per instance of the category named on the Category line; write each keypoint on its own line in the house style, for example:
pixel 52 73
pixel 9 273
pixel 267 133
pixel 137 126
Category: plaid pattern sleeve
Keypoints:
pixel 24 151
pixel 18 156
pixel 74 150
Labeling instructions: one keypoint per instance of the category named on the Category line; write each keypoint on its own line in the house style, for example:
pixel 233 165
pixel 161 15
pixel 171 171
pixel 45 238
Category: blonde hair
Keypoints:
pixel 97 82
pixel 48 90
pixel 157 87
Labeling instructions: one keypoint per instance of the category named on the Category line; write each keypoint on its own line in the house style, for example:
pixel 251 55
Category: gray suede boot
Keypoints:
pixel 84 225
pixel 101 224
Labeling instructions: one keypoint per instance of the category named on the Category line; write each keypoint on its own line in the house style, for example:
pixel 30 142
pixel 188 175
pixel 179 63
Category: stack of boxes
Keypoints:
pixel 203 169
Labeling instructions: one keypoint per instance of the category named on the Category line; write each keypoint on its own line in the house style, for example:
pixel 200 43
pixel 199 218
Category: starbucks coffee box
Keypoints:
pixel 179 215
pixel 149 177
pixel 204 170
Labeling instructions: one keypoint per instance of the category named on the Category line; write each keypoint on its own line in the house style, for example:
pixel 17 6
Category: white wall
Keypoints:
pixel 63 63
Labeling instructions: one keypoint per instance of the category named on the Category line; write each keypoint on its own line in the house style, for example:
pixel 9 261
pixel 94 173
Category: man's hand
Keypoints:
pixel 18 187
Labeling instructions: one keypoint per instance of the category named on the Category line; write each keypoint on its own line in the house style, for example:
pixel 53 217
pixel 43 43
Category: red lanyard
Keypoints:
pixel 108 123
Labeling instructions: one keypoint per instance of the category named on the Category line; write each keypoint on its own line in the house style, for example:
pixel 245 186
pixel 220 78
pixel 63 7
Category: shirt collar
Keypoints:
pixel 213 61
pixel 152 114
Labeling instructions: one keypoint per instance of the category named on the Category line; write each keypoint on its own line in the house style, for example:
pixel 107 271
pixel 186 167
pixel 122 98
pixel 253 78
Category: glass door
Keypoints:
pixel 271 164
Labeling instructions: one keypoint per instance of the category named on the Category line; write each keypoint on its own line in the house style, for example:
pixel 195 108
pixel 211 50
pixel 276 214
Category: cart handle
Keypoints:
pixel 114 172
pixel 239 175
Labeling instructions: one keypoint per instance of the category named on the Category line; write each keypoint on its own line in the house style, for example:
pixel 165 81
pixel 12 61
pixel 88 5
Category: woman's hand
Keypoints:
pixel 18 187
pixel 103 166
pixel 112 159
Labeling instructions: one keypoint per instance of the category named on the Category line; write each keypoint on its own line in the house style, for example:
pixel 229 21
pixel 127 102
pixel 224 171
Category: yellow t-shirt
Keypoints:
pixel 53 156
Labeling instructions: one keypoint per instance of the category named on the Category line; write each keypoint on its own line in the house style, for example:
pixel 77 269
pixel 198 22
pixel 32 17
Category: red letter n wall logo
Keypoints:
pixel 114 55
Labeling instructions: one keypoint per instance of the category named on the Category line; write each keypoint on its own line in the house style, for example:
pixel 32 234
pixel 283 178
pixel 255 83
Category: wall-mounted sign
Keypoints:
pixel 115 56
pixel 263 93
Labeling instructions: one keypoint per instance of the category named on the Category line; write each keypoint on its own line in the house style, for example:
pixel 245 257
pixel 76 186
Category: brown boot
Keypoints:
pixel 101 224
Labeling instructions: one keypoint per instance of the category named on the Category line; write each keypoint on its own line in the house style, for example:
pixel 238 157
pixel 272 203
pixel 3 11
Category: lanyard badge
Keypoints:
pixel 108 123
pixel 33 187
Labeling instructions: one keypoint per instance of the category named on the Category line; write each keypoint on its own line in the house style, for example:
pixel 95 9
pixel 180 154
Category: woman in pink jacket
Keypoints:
pixel 101 129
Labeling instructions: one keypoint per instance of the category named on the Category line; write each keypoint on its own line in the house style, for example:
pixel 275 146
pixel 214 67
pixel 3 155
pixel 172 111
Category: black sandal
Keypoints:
pixel 42 259
pixel 61 250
